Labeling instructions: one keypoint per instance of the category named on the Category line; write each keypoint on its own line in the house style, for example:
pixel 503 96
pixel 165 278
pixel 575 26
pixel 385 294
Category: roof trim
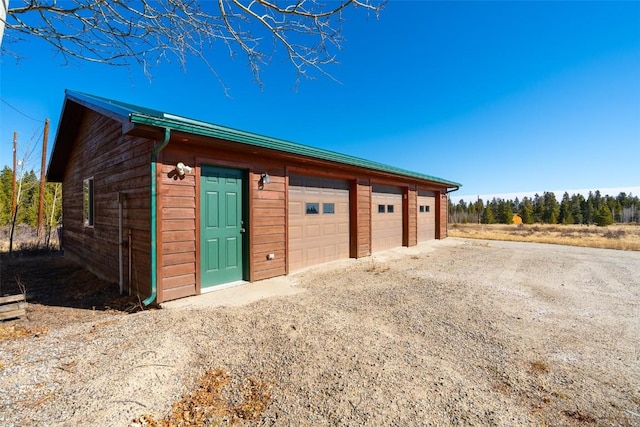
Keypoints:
pixel 149 117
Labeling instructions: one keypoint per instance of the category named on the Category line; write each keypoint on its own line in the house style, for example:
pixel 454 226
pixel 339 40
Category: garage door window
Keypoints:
pixel 313 208
pixel 424 208
pixel 381 208
pixel 389 208
pixel 328 208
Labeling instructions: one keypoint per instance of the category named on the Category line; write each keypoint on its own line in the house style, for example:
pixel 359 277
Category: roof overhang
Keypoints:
pixel 73 109
pixel 148 122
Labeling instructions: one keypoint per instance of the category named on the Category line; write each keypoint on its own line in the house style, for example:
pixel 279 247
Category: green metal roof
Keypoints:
pixel 156 118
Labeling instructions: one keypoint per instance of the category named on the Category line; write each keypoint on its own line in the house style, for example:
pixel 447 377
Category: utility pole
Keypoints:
pixel 15 170
pixel 42 176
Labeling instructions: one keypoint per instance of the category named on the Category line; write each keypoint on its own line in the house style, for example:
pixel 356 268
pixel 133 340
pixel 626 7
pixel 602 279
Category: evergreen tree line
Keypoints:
pixel 29 187
pixel 546 209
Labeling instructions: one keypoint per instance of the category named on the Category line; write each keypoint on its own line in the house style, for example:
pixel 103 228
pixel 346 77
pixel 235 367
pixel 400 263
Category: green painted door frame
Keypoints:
pixel 222 226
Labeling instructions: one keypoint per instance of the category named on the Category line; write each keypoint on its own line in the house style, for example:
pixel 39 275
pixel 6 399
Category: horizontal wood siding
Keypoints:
pixel 176 219
pixel 362 213
pixel 179 204
pixel 121 163
pixel 412 211
pixel 442 204
pixel 118 163
pixel 268 225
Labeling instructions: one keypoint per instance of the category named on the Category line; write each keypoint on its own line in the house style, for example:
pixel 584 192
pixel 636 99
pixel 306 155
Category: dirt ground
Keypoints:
pixel 453 332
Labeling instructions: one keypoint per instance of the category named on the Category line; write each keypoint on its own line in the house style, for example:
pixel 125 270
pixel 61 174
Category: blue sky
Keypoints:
pixel 503 97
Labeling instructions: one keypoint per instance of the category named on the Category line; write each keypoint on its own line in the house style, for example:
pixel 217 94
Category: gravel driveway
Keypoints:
pixel 453 332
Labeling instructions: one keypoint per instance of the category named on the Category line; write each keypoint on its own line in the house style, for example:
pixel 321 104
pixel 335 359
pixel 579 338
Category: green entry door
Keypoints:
pixel 221 225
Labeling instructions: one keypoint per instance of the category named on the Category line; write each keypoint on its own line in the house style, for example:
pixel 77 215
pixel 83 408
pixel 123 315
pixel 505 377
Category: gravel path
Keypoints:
pixel 453 332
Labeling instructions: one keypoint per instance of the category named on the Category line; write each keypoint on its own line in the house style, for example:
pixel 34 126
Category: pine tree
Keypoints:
pixel 487 215
pixel 28 212
pixel 6 179
pixel 576 208
pixel 538 208
pixel 603 217
pixel 526 211
pixel 566 217
pixel 588 210
pixel 505 212
pixel 551 210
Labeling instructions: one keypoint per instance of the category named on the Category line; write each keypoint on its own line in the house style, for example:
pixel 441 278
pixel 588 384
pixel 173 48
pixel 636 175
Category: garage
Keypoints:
pixel 386 218
pixel 318 220
pixel 426 216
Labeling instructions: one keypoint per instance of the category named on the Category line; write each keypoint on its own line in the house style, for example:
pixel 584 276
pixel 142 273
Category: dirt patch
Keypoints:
pixel 59 292
pixel 446 333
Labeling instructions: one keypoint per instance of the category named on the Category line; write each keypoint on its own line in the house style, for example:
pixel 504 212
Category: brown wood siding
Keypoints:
pixel 441 219
pixel 121 163
pixel 268 223
pixel 361 208
pixel 412 220
pixel 177 233
pixel 118 163
pixel 180 220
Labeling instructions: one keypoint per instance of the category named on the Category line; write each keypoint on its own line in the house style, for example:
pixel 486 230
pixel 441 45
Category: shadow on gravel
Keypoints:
pixel 51 280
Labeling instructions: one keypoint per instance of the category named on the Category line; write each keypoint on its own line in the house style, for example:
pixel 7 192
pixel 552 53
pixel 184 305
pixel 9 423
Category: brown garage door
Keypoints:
pixel 426 216
pixel 386 218
pixel 318 220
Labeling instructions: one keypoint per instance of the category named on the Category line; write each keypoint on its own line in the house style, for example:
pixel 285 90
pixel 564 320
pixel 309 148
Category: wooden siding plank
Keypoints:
pixel 179 224
pixel 178 269
pixel 170 212
pixel 181 201
pixel 268 238
pixel 178 292
pixel 179 258
pixel 178 281
pixel 177 247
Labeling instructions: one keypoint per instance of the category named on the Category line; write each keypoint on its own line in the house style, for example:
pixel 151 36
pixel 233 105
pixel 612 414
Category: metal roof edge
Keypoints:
pixel 212 130
pixel 147 116
pixel 98 103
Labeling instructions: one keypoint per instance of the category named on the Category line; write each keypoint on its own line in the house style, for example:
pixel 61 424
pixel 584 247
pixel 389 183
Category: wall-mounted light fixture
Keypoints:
pixel 181 169
pixel 264 179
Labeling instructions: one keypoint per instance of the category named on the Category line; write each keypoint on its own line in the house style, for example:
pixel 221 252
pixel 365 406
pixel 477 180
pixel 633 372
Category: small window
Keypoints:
pixel 328 208
pixel 88 202
pixel 313 208
pixel 381 209
pixel 390 208
pixel 421 208
pixel 426 208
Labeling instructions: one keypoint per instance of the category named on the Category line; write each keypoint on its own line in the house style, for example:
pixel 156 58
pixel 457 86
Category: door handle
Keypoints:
pixel 242 230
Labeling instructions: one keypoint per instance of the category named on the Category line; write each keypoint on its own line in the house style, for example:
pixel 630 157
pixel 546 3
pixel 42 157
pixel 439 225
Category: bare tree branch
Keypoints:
pixel 144 32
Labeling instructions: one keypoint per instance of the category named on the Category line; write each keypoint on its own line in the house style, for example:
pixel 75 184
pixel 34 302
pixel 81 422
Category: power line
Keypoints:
pixel 24 114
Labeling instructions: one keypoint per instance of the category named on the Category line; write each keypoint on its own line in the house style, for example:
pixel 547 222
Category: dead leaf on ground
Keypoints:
pixel 13 332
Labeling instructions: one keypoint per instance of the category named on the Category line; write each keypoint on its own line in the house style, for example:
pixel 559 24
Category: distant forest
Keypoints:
pixel 546 209
pixel 28 191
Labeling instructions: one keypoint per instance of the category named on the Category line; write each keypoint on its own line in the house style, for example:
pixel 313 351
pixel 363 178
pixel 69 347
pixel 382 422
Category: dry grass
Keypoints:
pixel 539 367
pixel 213 404
pixel 623 237
pixel 11 331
